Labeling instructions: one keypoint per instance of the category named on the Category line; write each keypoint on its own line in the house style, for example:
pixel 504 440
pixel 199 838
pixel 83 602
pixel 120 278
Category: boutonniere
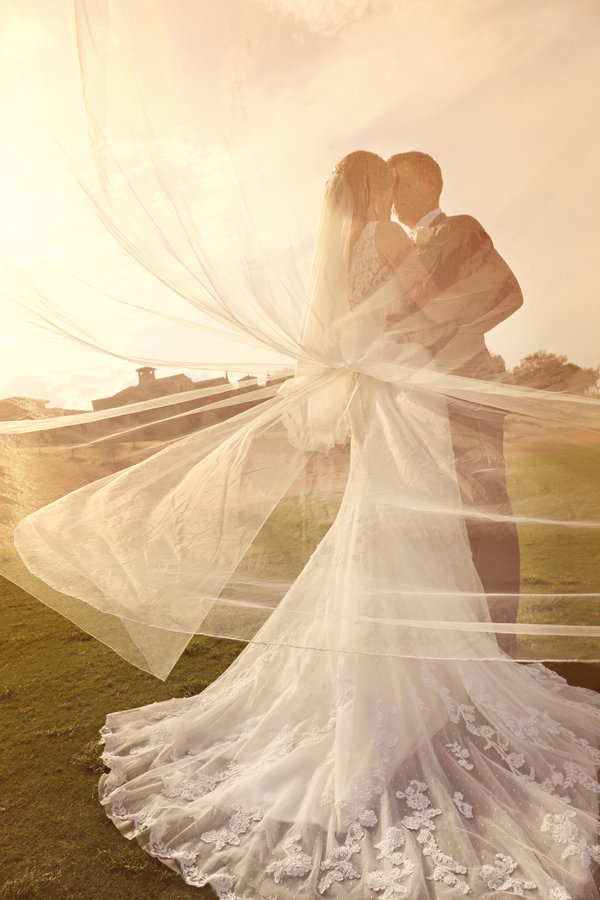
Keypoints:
pixel 420 235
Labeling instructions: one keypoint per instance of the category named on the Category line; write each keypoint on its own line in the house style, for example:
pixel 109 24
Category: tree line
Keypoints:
pixel 551 372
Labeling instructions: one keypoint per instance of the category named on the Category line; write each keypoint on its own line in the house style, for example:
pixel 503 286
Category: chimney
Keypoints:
pixel 146 376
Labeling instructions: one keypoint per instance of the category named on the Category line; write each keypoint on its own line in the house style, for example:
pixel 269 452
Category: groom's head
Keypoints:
pixel 417 185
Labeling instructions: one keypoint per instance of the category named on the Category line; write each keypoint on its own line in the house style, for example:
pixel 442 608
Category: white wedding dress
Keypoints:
pixel 433 769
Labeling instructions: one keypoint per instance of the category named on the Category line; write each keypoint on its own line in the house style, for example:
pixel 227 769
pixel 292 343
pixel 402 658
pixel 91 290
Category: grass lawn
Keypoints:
pixel 559 560
pixel 58 686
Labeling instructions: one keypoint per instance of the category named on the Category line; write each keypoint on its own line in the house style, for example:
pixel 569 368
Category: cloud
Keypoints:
pixel 320 17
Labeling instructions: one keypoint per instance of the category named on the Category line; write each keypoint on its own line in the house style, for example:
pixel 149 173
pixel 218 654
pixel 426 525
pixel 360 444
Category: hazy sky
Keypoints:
pixel 503 94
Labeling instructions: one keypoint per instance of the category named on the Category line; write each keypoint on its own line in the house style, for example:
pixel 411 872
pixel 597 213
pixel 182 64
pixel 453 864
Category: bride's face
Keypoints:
pixel 383 203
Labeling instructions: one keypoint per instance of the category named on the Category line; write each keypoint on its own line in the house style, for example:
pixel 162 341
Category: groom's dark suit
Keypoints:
pixel 477 291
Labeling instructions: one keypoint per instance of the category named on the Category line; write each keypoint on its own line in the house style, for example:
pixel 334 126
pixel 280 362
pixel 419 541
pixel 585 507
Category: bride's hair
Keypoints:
pixel 367 176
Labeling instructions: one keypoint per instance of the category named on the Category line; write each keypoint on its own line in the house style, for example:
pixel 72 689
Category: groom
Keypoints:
pixel 477 291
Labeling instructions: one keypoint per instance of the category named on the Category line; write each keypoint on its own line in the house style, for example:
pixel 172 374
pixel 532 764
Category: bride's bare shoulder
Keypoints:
pixel 391 241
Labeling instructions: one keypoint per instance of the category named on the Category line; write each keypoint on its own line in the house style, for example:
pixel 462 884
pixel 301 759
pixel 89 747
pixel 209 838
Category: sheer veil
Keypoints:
pixel 195 512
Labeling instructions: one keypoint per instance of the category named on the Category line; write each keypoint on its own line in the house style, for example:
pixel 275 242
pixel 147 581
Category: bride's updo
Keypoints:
pixel 369 179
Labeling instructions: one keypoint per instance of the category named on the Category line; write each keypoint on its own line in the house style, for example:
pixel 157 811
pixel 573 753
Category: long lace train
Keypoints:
pixel 365 777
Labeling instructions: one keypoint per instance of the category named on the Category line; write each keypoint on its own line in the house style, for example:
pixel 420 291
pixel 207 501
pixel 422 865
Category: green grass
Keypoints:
pixel 558 559
pixel 58 685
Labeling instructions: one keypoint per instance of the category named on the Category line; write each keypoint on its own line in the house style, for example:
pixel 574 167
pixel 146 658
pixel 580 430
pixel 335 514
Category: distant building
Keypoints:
pixel 149 387
pixel 177 417
pixel 181 416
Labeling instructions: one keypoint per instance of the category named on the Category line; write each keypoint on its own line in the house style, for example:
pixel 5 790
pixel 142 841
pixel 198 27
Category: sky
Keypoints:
pixel 247 107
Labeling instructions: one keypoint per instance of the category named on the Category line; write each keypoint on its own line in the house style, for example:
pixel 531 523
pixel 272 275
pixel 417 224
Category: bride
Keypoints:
pixel 371 740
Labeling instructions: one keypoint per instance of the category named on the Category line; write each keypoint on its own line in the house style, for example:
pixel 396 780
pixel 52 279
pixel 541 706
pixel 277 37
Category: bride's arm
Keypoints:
pixel 395 248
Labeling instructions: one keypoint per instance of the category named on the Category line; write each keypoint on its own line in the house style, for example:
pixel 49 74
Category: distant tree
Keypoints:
pixel 551 371
pixel 498 363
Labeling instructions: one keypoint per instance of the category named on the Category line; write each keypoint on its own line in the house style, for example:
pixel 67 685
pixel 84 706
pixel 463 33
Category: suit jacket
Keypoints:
pixel 477 290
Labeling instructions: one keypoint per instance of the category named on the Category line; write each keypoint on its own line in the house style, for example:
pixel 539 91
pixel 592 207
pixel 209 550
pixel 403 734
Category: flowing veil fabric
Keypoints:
pixel 374 738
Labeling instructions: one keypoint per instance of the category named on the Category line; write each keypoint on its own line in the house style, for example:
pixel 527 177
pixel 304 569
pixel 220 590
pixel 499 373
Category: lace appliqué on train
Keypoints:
pixel 239 823
pixel 564 830
pixel 499 877
pixel 387 882
pixel 295 863
pixel 446 869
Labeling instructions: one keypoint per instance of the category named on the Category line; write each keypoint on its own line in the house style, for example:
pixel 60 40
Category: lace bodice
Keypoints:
pixel 367 272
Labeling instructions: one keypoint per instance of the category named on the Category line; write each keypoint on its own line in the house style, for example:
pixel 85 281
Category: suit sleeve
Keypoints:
pixel 477 288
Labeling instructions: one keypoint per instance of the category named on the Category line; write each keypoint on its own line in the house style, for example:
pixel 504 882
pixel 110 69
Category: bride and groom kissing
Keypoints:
pixel 474 290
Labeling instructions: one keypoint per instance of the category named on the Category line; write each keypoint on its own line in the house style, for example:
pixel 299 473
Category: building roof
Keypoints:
pixel 150 388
